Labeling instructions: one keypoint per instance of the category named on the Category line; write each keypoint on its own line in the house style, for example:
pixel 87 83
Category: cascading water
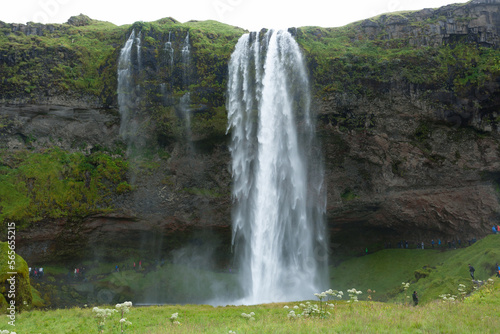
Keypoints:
pixel 126 94
pixel 278 216
pixel 186 57
pixel 185 101
pixel 170 50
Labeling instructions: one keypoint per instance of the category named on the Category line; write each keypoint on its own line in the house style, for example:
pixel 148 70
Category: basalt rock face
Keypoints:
pixel 410 176
pixel 477 21
pixel 405 158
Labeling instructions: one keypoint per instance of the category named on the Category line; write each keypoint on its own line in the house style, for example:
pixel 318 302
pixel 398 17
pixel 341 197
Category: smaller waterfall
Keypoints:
pixel 185 101
pixel 184 105
pixel 126 85
pixel 186 59
pixel 170 50
pixel 138 46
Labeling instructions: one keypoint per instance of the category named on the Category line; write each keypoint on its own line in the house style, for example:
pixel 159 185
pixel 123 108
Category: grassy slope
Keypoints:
pixel 384 271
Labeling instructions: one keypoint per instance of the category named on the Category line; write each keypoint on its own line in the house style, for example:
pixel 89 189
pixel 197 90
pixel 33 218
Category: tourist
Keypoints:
pixel 432 243
pixel 422 245
pixel 494 230
pixel 471 271
pixel 415 298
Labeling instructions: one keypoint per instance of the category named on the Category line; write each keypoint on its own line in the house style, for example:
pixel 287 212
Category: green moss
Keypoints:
pixel 56 184
pixel 422 132
pixel 123 187
pixel 348 195
pixel 203 192
pixel 14 263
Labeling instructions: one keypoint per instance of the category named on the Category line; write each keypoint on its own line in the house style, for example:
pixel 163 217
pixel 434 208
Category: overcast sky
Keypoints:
pixel 248 14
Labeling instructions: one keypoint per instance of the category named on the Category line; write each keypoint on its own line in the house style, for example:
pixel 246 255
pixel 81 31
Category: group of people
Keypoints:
pixel 35 272
pixel 434 244
pixel 135 266
pixel 79 272
pixel 495 229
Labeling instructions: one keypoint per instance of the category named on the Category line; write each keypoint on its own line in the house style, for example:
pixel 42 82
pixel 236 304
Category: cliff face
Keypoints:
pixel 407 107
pixel 476 21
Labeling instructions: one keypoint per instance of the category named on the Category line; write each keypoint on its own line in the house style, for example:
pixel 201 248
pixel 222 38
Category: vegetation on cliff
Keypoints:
pixel 345 60
pixel 35 186
pixel 21 290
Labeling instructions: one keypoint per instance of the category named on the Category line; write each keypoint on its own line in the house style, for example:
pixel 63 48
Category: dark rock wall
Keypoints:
pixel 406 163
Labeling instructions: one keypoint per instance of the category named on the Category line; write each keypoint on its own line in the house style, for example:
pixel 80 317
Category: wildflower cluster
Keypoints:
pixel 124 308
pixel 405 287
pixel 353 295
pixel 5 331
pixel 370 291
pixel 249 316
pixel 448 297
pixel 173 319
pixel 462 291
pixel 101 314
pixel 310 310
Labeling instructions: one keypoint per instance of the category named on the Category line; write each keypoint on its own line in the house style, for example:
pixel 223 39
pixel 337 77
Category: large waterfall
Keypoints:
pixel 279 202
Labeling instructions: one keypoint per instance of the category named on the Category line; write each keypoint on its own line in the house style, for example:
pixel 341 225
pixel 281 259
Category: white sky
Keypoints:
pixel 248 14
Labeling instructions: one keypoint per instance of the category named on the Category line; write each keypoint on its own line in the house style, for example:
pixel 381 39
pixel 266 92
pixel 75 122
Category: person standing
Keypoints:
pixel 471 271
pixel 415 298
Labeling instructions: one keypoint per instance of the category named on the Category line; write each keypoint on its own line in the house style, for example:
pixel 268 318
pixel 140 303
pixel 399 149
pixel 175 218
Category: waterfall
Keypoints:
pixel 138 46
pixel 126 94
pixel 186 98
pixel 169 48
pixel 279 202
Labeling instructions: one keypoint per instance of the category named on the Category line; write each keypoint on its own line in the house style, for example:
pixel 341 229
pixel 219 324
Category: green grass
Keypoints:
pixel 478 314
pixel 384 271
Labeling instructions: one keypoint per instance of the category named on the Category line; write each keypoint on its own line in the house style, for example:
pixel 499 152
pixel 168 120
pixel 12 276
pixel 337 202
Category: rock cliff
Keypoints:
pixel 407 108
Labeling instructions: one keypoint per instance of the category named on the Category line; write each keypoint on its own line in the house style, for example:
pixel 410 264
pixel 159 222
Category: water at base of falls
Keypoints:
pixel 279 203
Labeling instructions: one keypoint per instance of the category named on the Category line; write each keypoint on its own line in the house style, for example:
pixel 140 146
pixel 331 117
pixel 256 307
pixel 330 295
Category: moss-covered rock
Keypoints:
pixel 19 289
